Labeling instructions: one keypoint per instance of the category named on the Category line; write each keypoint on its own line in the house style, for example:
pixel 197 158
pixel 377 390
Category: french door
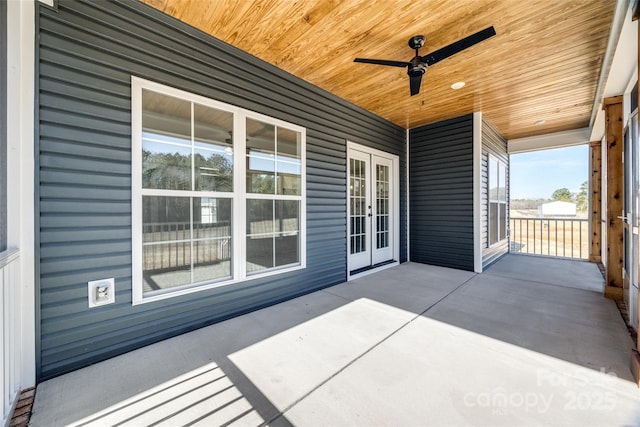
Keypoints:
pixel 631 217
pixel 372 198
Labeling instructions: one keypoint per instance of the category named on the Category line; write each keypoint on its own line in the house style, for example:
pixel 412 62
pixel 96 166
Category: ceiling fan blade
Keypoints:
pixel 414 83
pixel 383 62
pixel 460 45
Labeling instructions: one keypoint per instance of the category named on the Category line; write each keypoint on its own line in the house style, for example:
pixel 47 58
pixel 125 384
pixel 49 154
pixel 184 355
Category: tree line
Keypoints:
pixel 581 198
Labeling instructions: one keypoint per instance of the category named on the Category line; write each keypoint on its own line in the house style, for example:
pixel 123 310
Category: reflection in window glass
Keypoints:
pixel 273 159
pixel 288 162
pixel 213 153
pixel 273 230
pixel 165 166
pixel 179 251
pixel 497 209
pixel 502 183
pixel 261 164
pixel 173 154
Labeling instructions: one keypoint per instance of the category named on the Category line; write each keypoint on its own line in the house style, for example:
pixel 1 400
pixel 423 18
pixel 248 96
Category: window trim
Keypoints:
pixel 239 195
pixel 497 201
pixel 4 154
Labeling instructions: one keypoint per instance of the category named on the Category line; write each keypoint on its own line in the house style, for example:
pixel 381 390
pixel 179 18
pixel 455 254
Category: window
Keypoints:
pixel 218 193
pixel 497 221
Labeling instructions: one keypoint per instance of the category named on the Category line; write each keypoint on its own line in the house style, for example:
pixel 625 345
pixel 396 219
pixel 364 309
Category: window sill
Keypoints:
pixel 189 290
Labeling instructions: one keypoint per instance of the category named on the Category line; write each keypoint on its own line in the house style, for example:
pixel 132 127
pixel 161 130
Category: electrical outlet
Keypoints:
pixel 101 292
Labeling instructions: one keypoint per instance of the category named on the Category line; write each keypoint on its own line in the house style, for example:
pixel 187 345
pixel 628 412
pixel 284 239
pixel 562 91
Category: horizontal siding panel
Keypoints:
pixel 51 104
pixel 495 144
pixel 87 53
pixel 84 221
pixel 87 206
pixel 89 151
pixel 82 164
pixel 70 192
pixel 64 177
pixel 65 133
pixel 61 264
pixel 441 193
pixel 105 247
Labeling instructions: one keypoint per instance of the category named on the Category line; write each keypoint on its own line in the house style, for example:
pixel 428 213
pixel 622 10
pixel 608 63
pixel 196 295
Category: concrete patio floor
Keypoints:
pixel 413 345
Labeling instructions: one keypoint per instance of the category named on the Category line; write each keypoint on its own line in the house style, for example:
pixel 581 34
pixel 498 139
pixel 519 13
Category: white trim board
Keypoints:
pixel 477 192
pixel 352 146
pixel 20 166
pixel 548 141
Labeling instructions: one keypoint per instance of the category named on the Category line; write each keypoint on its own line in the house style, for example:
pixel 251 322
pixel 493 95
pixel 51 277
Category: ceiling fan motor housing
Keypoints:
pixel 417 67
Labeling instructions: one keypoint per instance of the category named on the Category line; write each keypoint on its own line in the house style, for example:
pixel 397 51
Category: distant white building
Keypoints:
pixel 557 208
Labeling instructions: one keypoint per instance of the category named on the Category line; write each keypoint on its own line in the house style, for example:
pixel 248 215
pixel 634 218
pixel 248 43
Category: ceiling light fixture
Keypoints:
pixel 457 85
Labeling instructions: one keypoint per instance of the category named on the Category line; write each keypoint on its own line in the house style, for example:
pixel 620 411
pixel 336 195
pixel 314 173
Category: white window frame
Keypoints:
pixel 490 200
pixel 240 195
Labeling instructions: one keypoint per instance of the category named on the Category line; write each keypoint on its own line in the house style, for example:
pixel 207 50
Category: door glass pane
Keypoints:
pixel 213 153
pixel 358 199
pixel 261 154
pixel 382 204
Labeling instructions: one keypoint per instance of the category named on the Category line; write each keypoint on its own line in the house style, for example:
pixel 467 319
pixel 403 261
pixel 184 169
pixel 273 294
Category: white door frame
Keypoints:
pixel 395 189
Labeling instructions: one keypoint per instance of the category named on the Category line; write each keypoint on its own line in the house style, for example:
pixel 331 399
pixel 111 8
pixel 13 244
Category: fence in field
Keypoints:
pixel 556 237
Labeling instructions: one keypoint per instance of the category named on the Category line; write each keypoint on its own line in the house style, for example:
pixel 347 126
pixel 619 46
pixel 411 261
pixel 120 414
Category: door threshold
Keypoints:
pixel 372 269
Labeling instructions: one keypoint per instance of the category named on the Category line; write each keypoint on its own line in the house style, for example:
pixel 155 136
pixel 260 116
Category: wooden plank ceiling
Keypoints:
pixel 543 64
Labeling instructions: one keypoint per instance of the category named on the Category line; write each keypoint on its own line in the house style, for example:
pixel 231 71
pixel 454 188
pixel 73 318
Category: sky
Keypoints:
pixel 538 174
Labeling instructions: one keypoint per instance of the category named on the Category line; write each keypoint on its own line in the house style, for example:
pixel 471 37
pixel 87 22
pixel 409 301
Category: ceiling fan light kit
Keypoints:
pixel 418 64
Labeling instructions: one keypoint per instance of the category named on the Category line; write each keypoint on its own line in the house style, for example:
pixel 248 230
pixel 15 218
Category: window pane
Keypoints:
pixel 503 221
pixel 261 151
pixel 502 183
pixel 493 178
pixel 260 235
pixel 165 166
pixel 166 234
pixel 493 223
pixel 213 159
pixel 166 142
pixel 259 217
pixel 166 265
pixel 166 116
pixel 212 223
pixel 288 162
pixel 165 219
pixel 287 225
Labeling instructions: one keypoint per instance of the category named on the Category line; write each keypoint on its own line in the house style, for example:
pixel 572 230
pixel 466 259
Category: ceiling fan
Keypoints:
pixel 418 65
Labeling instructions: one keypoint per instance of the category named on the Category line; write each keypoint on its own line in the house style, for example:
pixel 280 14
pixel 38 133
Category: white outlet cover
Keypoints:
pixel 101 292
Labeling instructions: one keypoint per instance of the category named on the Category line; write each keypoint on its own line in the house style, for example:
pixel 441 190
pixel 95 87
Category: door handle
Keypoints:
pixel 624 218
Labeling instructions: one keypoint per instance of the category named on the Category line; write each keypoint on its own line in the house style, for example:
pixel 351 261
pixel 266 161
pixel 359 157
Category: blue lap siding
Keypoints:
pixel 86 55
pixel 441 193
